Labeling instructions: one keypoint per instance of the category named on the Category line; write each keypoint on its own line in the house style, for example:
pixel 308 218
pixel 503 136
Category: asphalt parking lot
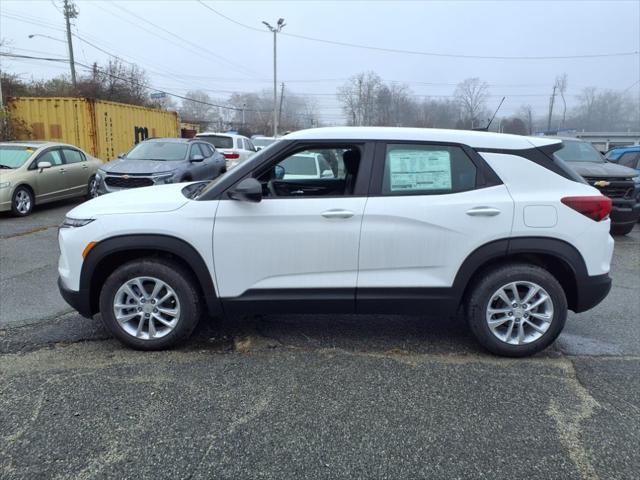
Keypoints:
pixel 308 396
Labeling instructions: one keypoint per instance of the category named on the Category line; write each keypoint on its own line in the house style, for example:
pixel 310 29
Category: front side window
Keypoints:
pixel 160 151
pixel 72 156
pixel 195 150
pixel 52 156
pixel 318 172
pixel 427 170
pixel 14 157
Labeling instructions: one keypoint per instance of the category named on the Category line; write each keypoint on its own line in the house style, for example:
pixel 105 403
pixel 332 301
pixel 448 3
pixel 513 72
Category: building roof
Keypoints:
pixel 475 139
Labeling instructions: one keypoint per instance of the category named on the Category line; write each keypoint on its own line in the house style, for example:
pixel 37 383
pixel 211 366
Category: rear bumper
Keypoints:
pixel 78 300
pixel 591 291
pixel 624 212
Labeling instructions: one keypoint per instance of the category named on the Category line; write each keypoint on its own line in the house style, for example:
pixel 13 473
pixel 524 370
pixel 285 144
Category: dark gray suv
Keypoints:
pixel 161 160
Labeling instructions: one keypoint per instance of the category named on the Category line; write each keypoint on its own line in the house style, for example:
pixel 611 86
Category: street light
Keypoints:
pixel 275 31
pixel 46 36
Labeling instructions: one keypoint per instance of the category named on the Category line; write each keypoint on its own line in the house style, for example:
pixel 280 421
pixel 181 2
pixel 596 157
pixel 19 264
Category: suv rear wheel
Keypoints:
pixel 517 310
pixel 150 304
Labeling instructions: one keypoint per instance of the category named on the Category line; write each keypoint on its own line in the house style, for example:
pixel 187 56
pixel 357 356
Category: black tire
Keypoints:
pixel 489 283
pixel 92 190
pixel 22 209
pixel 174 275
pixel 622 229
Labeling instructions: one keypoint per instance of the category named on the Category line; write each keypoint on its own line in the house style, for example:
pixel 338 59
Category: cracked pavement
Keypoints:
pixel 308 396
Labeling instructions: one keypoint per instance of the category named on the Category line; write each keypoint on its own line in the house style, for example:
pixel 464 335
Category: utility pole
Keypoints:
pixel 70 12
pixel 244 105
pixel 551 101
pixel 279 25
pixel 281 98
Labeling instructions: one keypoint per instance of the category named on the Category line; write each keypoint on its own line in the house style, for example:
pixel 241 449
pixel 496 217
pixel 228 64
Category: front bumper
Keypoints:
pixel 591 291
pixel 625 212
pixel 80 300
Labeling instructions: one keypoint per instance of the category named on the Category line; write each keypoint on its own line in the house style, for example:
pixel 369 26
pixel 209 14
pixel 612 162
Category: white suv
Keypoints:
pixel 413 221
pixel 235 148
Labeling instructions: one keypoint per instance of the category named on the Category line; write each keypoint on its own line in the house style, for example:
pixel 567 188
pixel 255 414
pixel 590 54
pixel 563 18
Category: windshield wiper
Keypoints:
pixel 5 166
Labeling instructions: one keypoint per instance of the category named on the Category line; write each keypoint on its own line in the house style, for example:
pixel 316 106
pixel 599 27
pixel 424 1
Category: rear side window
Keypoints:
pixel 218 141
pixel 72 156
pixel 427 170
pixel 630 159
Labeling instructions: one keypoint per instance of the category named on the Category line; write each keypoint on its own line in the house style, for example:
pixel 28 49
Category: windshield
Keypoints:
pixel 14 156
pixel 262 142
pixel 163 151
pixel 573 151
pixel 218 141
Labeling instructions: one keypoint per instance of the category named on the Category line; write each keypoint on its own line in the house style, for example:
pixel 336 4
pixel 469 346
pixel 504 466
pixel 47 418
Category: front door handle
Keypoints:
pixel 337 214
pixel 483 212
pixel 62 170
pixel 85 166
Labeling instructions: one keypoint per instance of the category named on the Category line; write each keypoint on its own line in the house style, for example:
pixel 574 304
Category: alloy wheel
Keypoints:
pixel 23 202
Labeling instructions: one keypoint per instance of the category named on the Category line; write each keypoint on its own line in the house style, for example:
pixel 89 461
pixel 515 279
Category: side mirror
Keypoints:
pixel 43 165
pixel 279 171
pixel 248 190
pixel 327 174
pixel 122 155
pixel 196 158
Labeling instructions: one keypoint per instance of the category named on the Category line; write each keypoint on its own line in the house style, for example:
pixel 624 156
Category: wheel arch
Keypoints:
pixel 109 254
pixel 560 258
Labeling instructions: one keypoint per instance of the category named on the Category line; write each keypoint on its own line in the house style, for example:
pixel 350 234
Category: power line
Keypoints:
pixel 428 54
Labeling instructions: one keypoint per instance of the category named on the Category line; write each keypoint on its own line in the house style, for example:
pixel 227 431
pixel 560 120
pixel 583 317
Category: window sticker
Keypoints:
pixel 419 170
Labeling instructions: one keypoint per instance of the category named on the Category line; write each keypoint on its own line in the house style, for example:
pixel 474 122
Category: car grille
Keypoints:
pixel 128 181
pixel 616 188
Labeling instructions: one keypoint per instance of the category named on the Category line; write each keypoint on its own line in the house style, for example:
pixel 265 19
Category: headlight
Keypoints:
pixel 5 184
pixel 161 178
pixel 100 175
pixel 75 222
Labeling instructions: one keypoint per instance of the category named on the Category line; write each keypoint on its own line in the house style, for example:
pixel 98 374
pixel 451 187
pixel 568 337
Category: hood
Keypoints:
pixel 604 170
pixel 139 167
pixel 159 198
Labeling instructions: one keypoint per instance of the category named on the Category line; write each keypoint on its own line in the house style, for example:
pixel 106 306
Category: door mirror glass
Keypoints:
pixel 279 172
pixel 197 158
pixel 43 165
pixel 327 174
pixel 248 190
pixel 122 155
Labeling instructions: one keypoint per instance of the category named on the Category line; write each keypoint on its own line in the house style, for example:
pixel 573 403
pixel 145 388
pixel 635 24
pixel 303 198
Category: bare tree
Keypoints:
pixel 197 109
pixel 472 95
pixel 358 97
pixel 561 88
pixel 606 110
pixel 526 112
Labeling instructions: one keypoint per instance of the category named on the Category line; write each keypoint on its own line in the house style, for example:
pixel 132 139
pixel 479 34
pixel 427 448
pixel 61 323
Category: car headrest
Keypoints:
pixel 351 159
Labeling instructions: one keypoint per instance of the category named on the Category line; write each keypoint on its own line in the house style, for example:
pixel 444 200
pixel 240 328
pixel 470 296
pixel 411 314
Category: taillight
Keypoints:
pixel 596 208
pixel 231 155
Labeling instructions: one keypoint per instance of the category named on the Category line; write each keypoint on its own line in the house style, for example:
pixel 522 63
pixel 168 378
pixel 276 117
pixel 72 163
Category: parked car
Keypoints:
pixel 417 221
pixel 306 165
pixel 617 182
pixel 235 148
pixel 261 142
pixel 627 157
pixel 33 173
pixel 158 161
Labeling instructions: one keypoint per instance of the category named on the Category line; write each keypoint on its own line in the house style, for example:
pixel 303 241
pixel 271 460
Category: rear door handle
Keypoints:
pixel 62 170
pixel 337 214
pixel 85 166
pixel 483 212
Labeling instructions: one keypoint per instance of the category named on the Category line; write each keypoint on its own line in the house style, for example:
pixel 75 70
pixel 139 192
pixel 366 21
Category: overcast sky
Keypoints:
pixel 212 53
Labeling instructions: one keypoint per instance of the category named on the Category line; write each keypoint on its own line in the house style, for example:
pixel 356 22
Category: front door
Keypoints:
pixel 297 249
pixel 51 183
pixel 78 171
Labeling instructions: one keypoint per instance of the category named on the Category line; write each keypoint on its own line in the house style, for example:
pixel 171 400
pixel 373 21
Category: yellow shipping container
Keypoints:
pixel 104 129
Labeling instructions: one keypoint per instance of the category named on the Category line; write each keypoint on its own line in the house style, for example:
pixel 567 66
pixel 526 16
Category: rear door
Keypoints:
pixel 298 247
pixel 77 171
pixel 430 206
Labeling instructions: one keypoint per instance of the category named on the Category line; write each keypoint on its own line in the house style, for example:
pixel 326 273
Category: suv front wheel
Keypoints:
pixel 150 304
pixel 516 310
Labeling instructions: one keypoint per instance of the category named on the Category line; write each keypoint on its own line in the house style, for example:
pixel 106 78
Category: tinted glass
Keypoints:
pixel 573 151
pixel 629 159
pixel 14 157
pixel 72 156
pixel 195 150
pixel 207 150
pixel 262 142
pixel 218 141
pixel 52 156
pixel 163 151
pixel 427 170
pixel 300 165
